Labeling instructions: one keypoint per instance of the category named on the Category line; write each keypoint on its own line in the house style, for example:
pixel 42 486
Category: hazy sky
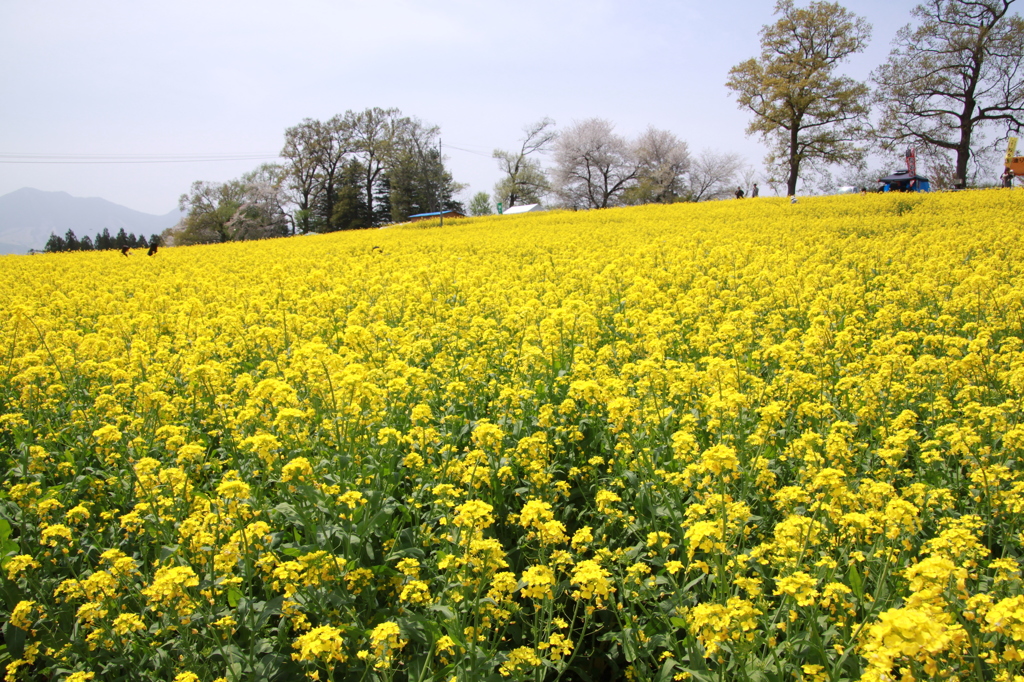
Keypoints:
pixel 142 80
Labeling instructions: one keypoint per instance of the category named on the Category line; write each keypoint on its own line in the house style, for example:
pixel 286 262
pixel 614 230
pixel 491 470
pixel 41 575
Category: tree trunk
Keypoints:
pixel 963 148
pixel 794 159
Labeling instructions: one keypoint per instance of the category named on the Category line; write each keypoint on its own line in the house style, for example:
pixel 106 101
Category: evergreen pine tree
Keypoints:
pixel 54 244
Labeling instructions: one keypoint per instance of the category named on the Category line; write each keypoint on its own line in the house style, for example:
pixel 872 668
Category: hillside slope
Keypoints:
pixel 28 216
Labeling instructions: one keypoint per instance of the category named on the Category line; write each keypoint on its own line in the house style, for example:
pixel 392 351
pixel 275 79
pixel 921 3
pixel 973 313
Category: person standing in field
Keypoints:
pixel 753 192
pixel 739 192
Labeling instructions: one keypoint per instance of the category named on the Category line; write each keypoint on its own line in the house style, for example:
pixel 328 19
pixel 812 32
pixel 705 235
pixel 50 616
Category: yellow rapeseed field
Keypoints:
pixel 744 440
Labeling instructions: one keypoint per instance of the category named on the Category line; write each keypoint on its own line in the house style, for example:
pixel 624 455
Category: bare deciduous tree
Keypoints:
pixel 303 182
pixel 594 166
pixel 713 175
pixel 960 69
pixel 664 161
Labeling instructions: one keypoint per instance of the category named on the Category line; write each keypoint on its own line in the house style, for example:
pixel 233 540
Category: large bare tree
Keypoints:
pixel 713 175
pixel 958 70
pixel 594 166
pixel 302 181
pixel 664 161
pixel 804 111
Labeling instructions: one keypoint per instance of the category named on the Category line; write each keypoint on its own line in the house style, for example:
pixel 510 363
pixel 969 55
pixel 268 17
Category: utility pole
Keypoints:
pixel 440 159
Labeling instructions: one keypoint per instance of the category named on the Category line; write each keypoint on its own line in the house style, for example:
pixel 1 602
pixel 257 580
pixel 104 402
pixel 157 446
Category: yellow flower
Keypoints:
pixel 1007 617
pixel 415 592
pixel 169 588
pixel 716 624
pixel 107 434
pixel 538 582
pixel 592 581
pixel 79 677
pixel 385 642
pixel 127 623
pixel 19 564
pixel 800 586
pixel 658 539
pixel 474 514
pixel 582 538
pixel 323 644
pixel 22 615
pixel 918 634
pixel 519 660
pixel 605 501
pixel 719 460
pixel 558 646
pixel 77 513
pixel 53 535
pixel 298 469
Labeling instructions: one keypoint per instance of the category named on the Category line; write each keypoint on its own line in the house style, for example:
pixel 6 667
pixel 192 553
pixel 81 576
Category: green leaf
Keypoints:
pixel 5 530
pixel 856 582
pixel 665 674
pixel 235 671
pixel 289 514
pixel 234 595
pixel 271 608
pixel 15 639
pixel 628 645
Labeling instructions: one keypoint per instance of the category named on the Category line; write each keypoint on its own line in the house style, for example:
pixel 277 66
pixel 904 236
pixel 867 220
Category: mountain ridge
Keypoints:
pixel 28 216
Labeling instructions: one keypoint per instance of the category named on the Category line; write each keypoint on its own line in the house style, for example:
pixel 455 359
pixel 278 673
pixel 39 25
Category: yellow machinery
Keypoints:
pixel 1014 163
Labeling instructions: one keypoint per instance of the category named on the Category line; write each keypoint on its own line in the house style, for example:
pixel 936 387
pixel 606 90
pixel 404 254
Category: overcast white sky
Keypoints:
pixel 218 77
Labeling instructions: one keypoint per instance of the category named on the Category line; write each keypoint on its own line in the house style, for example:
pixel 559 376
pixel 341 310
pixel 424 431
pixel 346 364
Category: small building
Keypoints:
pixel 524 208
pixel 904 181
pixel 437 214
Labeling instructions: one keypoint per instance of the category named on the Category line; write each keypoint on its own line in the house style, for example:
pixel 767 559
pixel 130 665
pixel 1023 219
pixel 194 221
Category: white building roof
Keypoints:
pixel 525 208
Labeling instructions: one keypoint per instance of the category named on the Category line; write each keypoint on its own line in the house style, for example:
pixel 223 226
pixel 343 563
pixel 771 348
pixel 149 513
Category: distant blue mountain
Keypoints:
pixel 28 216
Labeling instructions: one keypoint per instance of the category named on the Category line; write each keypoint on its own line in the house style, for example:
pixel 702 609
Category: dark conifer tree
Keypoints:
pixel 104 240
pixel 54 244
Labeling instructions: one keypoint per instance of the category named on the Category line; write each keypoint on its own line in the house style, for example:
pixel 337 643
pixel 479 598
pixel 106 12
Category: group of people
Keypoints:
pixel 740 193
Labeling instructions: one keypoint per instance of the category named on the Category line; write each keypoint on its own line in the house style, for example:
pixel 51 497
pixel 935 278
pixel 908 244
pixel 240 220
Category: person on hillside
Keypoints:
pixel 125 250
pixel 754 192
pixel 739 192
pixel 1008 178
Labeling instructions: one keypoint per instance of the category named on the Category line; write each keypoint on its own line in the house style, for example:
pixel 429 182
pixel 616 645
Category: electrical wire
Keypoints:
pixel 10 157
pixel 468 151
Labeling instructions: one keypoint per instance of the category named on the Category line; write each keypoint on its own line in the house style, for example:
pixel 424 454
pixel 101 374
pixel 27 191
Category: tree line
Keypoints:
pixel 354 170
pixel 104 241
pixel 954 76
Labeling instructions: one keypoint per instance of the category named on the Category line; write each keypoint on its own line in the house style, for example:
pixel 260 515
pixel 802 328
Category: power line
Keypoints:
pixel 468 151
pixel 132 158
